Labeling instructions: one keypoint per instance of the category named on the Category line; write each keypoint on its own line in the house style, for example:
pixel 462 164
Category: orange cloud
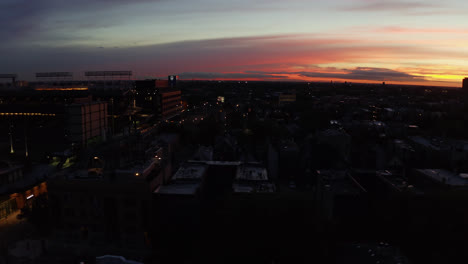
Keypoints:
pixel 407 30
pixel 298 57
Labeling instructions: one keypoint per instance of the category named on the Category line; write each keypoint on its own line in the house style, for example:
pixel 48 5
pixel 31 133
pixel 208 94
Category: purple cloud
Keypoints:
pixel 366 73
pixel 385 5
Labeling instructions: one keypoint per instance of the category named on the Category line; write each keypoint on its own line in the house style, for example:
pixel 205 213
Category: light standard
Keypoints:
pixel 12 150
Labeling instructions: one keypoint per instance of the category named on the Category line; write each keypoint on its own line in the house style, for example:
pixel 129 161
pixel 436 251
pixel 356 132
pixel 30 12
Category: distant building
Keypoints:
pixel 465 84
pixel 439 179
pixel 286 97
pixel 170 103
pixel 46 118
pixel 86 121
pixel 159 96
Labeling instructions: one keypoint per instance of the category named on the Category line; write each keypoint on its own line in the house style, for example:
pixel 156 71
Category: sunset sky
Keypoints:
pixel 414 42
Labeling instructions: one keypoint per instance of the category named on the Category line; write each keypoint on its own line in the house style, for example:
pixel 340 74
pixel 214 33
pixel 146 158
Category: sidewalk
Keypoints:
pixel 13 229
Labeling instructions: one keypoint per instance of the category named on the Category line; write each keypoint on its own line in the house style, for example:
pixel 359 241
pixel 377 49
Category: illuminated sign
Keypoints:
pixel 26 114
pixel 53 74
pixel 107 73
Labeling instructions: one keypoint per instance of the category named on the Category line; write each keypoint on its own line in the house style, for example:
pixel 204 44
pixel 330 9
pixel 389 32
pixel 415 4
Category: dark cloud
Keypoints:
pixel 24 18
pixel 20 17
pixel 386 5
pixel 359 73
pixel 230 76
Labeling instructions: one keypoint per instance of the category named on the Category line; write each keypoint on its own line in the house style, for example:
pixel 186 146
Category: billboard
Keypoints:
pixel 8 76
pixel 53 74
pixel 107 73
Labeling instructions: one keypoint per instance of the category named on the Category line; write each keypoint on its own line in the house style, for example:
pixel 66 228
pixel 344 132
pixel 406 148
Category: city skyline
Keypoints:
pixel 400 42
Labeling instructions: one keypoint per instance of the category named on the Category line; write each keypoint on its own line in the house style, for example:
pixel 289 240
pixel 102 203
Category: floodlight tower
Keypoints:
pixel 11 76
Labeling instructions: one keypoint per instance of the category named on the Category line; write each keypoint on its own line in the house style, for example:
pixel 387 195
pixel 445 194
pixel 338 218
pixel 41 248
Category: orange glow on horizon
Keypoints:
pixel 452 81
pixel 62 89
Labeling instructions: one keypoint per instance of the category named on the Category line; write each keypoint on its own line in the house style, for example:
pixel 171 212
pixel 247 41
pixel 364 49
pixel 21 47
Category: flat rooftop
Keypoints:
pixel 251 173
pixel 339 182
pixel 190 172
pixel 397 182
pixel 218 177
pixel 263 187
pixel 446 177
pixel 434 143
pixel 178 188
pixel 110 259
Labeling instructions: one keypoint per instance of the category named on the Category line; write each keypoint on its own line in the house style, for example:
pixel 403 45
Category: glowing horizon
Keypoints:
pixel 400 42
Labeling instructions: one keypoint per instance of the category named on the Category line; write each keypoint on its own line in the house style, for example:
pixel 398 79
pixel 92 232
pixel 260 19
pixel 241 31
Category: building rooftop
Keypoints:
pixel 446 177
pixel 438 143
pixel 178 188
pixel 4 170
pixel 37 174
pixel 110 259
pixel 333 133
pixel 91 174
pixel 396 182
pixel 262 187
pixel 339 182
pixel 251 173
pixel 219 176
pixel 403 145
pixel 381 253
pixel 190 172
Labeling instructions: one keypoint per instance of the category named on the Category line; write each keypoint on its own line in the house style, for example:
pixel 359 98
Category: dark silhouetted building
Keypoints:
pixel 159 97
pixel 103 209
pixel 465 84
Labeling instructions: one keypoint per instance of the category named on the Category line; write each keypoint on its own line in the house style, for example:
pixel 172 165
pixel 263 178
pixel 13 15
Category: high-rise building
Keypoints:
pixel 465 84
